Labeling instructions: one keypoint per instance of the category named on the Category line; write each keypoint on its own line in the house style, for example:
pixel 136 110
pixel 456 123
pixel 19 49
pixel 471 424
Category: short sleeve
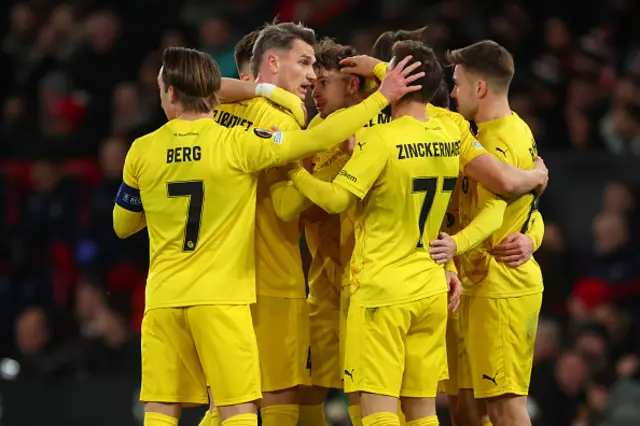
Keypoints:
pixel 367 162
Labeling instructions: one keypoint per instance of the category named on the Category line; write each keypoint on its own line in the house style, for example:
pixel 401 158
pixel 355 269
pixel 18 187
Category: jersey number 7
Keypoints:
pixel 195 191
pixel 429 185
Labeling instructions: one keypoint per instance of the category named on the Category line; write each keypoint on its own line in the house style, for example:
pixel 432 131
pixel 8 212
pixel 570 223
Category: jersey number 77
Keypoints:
pixel 430 186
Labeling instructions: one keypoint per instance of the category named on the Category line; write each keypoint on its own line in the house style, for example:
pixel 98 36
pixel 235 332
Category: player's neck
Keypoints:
pixel 193 116
pixel 493 109
pixel 417 110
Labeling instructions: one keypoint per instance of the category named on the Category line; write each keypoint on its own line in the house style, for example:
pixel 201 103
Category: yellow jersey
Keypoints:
pixel 403 173
pixel 278 261
pixel 510 140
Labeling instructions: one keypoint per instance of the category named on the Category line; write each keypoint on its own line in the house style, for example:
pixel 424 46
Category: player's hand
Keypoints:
pixel 397 82
pixel 361 65
pixel 544 175
pixel 455 290
pixel 443 249
pixel 514 250
pixel 285 99
pixel 347 146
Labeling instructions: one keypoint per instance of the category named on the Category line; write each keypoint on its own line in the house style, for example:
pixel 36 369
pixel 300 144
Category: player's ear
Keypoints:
pixel 272 62
pixel 354 86
pixel 481 88
pixel 172 94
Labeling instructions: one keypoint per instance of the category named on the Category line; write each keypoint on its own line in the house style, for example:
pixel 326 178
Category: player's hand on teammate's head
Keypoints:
pixel 544 175
pixel 399 77
pixel 347 146
pixel 361 65
pixel 514 250
pixel 455 290
pixel 443 249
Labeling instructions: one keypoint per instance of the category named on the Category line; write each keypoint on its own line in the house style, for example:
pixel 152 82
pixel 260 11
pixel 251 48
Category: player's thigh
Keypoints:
pixel 282 331
pixel 450 385
pixel 425 348
pixel 228 351
pixel 375 355
pixel 171 370
pixel 324 321
pixel 501 345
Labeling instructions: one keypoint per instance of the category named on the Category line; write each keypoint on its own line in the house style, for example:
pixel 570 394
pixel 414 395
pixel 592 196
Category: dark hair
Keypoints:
pixel 488 60
pixel 383 45
pixel 329 54
pixel 279 36
pixel 194 76
pixel 429 65
pixel 441 97
pixel 244 50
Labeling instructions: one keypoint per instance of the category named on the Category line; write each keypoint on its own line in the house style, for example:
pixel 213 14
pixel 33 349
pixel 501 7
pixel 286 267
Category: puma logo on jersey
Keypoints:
pixel 502 151
pixel 361 144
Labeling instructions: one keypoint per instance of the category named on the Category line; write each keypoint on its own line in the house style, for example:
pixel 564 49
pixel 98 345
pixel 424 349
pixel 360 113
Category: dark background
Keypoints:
pixel 79 84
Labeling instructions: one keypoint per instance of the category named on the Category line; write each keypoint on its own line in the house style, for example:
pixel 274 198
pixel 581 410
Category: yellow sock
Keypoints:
pixel 215 417
pixel 247 419
pixel 488 424
pixel 312 415
pixel 206 420
pixel 425 421
pixel 280 415
pixel 356 415
pixel 158 419
pixel 381 419
pixel 211 418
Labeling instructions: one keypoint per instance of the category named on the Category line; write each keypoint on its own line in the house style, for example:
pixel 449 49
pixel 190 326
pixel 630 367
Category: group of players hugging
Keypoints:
pixel 421 234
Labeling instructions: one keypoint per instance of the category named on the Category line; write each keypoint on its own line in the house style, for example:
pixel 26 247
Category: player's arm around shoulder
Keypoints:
pixel 499 173
pixel 353 181
pixel 128 212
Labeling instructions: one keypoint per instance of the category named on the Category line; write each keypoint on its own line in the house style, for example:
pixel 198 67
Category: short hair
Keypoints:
pixel 488 60
pixel 194 76
pixel 429 64
pixel 441 97
pixel 329 54
pixel 383 45
pixel 279 36
pixel 244 50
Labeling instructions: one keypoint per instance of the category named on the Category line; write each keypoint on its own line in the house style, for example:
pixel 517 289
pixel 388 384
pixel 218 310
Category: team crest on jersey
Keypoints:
pixel 477 145
pixel 261 133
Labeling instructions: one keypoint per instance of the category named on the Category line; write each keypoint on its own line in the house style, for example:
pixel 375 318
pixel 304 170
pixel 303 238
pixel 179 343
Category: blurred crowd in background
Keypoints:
pixel 79 85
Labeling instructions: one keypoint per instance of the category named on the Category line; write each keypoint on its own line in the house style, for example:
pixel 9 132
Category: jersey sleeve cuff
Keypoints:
pixel 343 182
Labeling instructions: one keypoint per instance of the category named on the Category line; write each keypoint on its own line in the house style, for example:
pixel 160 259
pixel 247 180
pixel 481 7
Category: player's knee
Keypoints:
pixel 234 410
pixel 280 397
pixel 312 395
pixel 167 409
pixel 354 398
pixel 507 409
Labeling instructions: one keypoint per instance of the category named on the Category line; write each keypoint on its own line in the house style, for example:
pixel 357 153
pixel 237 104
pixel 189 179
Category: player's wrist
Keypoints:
pixel 264 90
pixel 380 70
pixel 380 98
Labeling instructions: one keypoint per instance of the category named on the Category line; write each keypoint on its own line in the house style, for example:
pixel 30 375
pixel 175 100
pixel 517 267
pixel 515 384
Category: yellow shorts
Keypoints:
pixel 184 349
pixel 450 385
pixel 397 350
pixel 498 337
pixel 324 320
pixel 282 330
